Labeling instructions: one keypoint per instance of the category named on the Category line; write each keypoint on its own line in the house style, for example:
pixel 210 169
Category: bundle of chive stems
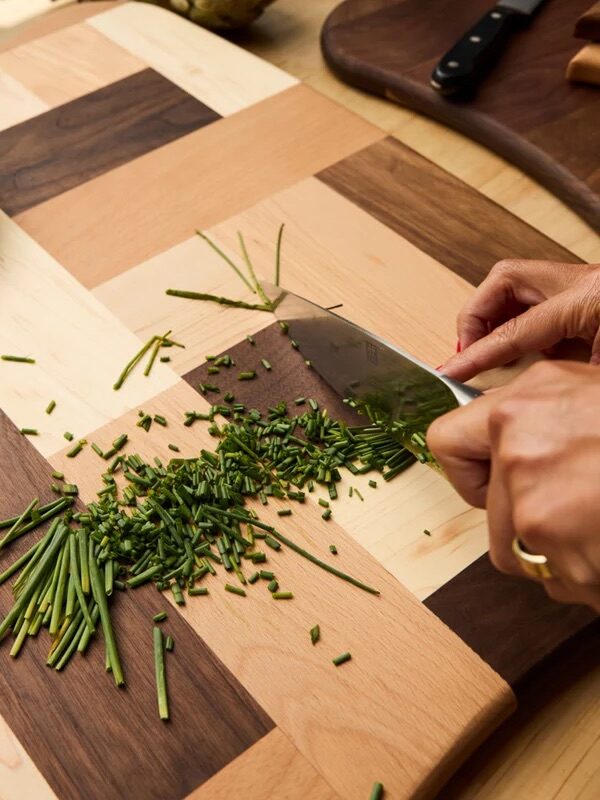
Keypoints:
pixel 176 524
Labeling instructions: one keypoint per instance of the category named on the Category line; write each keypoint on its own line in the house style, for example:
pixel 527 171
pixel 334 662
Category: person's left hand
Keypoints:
pixel 530 454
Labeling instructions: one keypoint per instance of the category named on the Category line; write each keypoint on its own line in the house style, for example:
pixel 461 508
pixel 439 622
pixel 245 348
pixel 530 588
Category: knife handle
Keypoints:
pixel 465 63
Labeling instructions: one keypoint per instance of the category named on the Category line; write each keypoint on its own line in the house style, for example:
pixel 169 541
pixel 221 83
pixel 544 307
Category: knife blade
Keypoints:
pixel 465 64
pixel 360 365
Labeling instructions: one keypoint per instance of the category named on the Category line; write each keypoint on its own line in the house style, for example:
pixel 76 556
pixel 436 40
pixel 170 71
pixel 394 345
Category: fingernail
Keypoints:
pixel 437 369
pixel 458 346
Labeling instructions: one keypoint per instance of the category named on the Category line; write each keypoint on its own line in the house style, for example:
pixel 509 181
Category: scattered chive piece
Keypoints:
pixel 224 301
pixel 377 791
pixel 278 253
pixel 341 659
pixel 273 543
pixel 70 489
pixel 234 590
pixel 427 532
pixel 299 401
pixel 19 359
pixel 226 258
pixel 313 404
pixel 169 644
pixel 160 420
pixel 161 676
pixel 74 451
pixel 160 617
pixel 97 449
pixel 266 575
pixel 254 577
pixel 373 484
pixel 266 364
pixel 196 591
pixel 165 359
pixel 284 512
pixel 323 503
pixel 174 448
pixel 282 595
pixel 359 495
pixel 58 475
pixel 350 491
pixel 272 586
pixel 247 376
pixel 333 549
pixel 294 344
pixel 213 371
pixel 315 634
pixel 51 406
pixel 308 362
pixel 30 432
pixel 68 436
pixel 326 514
pixel 177 594
pixel 250 339
pixel 284 327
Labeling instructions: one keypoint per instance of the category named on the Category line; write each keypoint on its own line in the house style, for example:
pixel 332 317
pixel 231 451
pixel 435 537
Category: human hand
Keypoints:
pixel 523 307
pixel 530 454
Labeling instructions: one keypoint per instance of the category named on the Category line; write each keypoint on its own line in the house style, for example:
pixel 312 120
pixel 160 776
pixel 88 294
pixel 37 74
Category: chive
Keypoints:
pixel 299 401
pixel 350 491
pixel 68 436
pixel 109 637
pixel 284 327
pixel 197 591
pixel 326 514
pixel 161 675
pixel 266 575
pixel 177 594
pixel 257 285
pixel 266 364
pixel 30 432
pixel 234 590
pixel 250 339
pixel 51 406
pixel 213 371
pixel 272 586
pixel 253 578
pixel 97 449
pixel 74 451
pixel 313 404
pixel 341 659
pixel 70 489
pixel 160 420
pixel 133 363
pixel 359 495
pixel 224 301
pixel 308 362
pixel 278 254
pixel 315 634
pixel 284 512
pixel 160 617
pixel 272 543
pixel 247 376
pixel 373 484
pixel 323 503
pixel 427 532
pixel 174 448
pixel 165 359
pixel 282 595
pixel 58 475
pixel 169 644
pixel 226 258
pixel 333 549
pixel 18 359
pixel 376 791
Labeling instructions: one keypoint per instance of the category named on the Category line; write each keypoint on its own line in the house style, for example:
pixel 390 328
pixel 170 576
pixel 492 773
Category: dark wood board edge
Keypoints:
pixel 526 156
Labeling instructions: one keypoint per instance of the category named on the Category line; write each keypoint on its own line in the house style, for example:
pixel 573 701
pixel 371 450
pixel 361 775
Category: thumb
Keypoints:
pixel 537 328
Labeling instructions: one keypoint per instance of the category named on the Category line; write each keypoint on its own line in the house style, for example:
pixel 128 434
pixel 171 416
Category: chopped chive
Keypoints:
pixel 341 659
pixel 278 254
pixel 376 791
pixel 323 503
pixel 284 512
pixel 284 327
pixel 224 301
pixel 160 420
pixel 427 532
pixel 68 436
pixel 315 634
pixel 294 344
pixel 165 359
pixel 234 590
pixel 58 475
pixel 173 447
pixel 18 359
pixel 350 491
pixel 313 404
pixel 213 371
pixel 299 401
pixel 97 449
pixel 169 644
pixel 254 577
pixel 273 585
pixel 282 595
pixel 160 617
pixel 373 484
pixel 177 594
pixel 247 376
pixel 161 676
pixel 197 591
pixel 74 451
pixel 70 489
pixel 30 432
pixel 266 364
pixel 51 406
pixel 326 514
pixel 308 362
pixel 250 339
pixel 333 549
pixel 359 495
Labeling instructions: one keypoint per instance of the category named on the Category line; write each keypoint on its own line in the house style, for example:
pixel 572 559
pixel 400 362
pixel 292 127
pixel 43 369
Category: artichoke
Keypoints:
pixel 217 14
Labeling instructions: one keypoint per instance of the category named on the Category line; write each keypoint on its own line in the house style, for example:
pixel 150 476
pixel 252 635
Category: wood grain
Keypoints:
pixel 435 211
pixel 79 346
pixel 318 132
pixel 229 79
pixel 67 146
pixel 588 24
pixel 14 12
pixel 93 724
pixel 19 776
pixel 17 103
pixel 68 63
pixel 392 51
pixel 272 767
pixel 330 714
pixel 585 65
pixel 48 23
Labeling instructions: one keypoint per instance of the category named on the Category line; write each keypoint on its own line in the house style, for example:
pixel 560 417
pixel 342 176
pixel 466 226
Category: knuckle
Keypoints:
pixel 504 412
pixel 506 266
pixel 531 524
pixel 557 591
pixel 502 561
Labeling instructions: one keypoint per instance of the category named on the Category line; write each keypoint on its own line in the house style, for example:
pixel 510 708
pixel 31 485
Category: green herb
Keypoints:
pixel 341 659
pixel 323 503
pixel 165 359
pixel 160 617
pixel 169 644
pixel 74 451
pixel 326 514
pixel 226 258
pixel 282 595
pixel 173 447
pixel 278 254
pixel 68 436
pixel 161 675
pixel 284 512
pixel 266 364
pixel 58 475
pixel 18 359
pixel 266 575
pixel 427 532
pixel 250 339
pixel 377 791
pixel 97 449
pixel 315 634
pixel 373 484
pixel 51 406
pixel 154 345
pixel 234 590
pixel 294 344
pixel 246 376
pixel 359 495
pixel 299 401
pixel 160 420
pixel 254 577
pixel 30 432
pixel 333 550
pixel 224 301
pixel 272 586
pixel 196 591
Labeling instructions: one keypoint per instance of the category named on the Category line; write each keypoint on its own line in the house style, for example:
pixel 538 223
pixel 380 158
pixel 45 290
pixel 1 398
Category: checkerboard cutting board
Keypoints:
pixel 121 133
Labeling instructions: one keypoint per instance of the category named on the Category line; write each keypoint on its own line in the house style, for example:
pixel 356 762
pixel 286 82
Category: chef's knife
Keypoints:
pixel 464 65
pixel 362 366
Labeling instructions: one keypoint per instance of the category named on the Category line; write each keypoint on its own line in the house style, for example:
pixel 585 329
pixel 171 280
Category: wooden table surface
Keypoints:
pixel 551 747
pixel 549 750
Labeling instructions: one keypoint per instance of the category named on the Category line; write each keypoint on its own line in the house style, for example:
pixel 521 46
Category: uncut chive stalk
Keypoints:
pixel 18 359
pixel 72 646
pixel 376 791
pixel 82 538
pixel 278 254
pixel 18 564
pixel 20 638
pixel 86 635
pixel 254 279
pixel 18 522
pixel 224 301
pixel 161 675
pixel 109 636
pixel 74 566
pixel 160 340
pixel 66 635
pixel 226 258
pixel 40 548
pixel 57 606
pixel 131 364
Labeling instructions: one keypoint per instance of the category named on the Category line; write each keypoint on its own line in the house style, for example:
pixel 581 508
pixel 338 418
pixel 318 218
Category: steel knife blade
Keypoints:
pixel 358 364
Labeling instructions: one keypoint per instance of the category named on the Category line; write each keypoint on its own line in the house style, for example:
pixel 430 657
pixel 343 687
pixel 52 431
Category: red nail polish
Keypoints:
pixel 437 369
pixel 458 346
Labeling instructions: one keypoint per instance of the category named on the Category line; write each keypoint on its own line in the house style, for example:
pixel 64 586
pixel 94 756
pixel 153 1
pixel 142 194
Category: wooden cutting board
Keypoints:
pixel 122 133
pixel 526 111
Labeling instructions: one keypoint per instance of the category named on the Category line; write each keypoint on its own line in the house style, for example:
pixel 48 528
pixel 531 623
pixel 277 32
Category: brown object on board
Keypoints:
pixel 524 110
pixel 585 66
pixel 588 24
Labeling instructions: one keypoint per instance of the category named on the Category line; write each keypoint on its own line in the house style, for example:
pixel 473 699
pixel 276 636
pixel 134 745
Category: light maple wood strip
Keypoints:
pixel 272 767
pixel 192 172
pixel 218 73
pixel 204 327
pixel 15 12
pixel 69 14
pixel 68 63
pixel 19 777
pixel 288 36
pixel 17 103
pixel 79 346
pixel 375 705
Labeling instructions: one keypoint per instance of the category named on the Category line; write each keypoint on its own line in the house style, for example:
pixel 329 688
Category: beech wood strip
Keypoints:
pixel 19 776
pixel 17 103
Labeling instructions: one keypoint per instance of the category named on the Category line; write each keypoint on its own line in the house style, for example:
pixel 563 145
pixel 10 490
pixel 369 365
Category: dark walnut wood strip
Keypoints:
pixel 510 622
pixel 437 212
pixel 90 739
pixel 66 146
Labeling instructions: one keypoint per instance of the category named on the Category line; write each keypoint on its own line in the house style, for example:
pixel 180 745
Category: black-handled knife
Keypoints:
pixel 466 63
